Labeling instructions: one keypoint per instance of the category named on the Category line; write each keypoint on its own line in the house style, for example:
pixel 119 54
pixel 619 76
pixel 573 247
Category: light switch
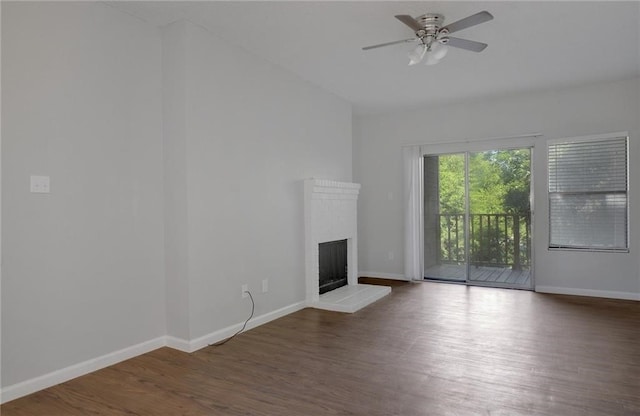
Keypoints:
pixel 40 184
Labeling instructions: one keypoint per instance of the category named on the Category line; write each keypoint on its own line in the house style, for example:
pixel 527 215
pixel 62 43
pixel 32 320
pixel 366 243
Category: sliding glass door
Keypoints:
pixel 477 217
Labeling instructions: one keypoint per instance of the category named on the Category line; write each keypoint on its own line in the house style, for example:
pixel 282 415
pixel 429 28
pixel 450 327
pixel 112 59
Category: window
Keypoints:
pixel 588 185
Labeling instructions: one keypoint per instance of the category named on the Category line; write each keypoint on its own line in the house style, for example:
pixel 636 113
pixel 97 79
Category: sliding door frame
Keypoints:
pixel 527 142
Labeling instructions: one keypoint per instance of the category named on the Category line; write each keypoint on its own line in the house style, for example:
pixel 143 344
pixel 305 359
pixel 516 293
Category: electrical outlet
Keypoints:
pixel 391 255
pixel 40 184
pixel 245 290
pixel 265 285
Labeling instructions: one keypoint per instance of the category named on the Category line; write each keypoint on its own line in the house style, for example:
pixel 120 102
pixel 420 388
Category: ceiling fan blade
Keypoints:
pixel 474 19
pixel 470 45
pixel 389 43
pixel 409 21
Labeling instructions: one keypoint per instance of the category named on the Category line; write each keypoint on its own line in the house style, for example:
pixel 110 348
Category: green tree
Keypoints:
pixel 498 184
pixel 451 184
pixel 499 181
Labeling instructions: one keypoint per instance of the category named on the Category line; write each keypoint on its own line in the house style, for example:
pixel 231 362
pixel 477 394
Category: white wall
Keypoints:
pixel 602 108
pixel 175 179
pixel 177 164
pixel 82 266
pixel 253 132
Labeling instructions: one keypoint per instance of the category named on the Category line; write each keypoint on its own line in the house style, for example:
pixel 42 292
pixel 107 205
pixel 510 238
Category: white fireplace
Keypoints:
pixel 330 214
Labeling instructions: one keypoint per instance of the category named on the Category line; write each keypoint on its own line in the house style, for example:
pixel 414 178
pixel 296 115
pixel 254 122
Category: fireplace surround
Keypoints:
pixel 330 214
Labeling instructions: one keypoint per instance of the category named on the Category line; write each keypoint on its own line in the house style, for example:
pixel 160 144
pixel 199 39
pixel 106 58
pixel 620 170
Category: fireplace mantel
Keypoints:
pixel 330 214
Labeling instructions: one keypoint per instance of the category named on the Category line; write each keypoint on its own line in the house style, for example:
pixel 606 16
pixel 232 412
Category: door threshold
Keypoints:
pixel 476 284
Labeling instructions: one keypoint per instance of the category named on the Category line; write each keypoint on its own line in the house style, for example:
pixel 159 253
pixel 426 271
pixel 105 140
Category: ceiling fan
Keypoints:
pixel 433 38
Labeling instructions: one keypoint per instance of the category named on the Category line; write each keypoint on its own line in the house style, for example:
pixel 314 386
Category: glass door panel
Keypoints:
pixel 445 254
pixel 500 217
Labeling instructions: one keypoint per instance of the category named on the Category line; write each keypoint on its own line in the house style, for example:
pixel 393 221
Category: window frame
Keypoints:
pixel 584 139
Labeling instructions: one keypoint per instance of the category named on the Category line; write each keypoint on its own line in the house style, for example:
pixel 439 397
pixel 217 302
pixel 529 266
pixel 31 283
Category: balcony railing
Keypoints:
pixel 495 240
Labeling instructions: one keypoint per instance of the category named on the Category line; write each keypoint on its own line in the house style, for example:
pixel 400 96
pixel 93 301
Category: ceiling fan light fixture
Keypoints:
pixel 417 54
pixel 438 50
pixel 435 52
pixel 430 59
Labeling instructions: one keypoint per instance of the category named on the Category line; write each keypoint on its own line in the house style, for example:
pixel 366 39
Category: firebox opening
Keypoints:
pixel 333 265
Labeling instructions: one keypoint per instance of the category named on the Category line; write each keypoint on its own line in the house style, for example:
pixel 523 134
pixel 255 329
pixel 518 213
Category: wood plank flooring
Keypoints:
pixel 427 349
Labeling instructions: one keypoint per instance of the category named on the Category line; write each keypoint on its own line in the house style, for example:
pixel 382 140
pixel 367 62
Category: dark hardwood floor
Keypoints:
pixel 427 349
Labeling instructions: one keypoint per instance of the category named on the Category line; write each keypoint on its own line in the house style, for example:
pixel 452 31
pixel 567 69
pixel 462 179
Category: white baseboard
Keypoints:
pixel 177 343
pixel 65 374
pixel 224 333
pixel 390 276
pixel 588 292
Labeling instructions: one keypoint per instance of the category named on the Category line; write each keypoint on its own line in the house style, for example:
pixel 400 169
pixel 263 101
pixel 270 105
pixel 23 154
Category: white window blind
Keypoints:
pixel 588 194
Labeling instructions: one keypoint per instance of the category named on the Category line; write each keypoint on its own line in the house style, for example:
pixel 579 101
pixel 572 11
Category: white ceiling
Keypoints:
pixel 532 45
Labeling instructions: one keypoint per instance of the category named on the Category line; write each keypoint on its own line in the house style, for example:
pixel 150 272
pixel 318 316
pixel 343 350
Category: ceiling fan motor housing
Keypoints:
pixel 431 20
pixel 431 24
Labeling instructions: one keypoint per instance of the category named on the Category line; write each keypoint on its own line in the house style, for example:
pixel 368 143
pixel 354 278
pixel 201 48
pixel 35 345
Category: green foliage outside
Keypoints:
pixel 498 184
